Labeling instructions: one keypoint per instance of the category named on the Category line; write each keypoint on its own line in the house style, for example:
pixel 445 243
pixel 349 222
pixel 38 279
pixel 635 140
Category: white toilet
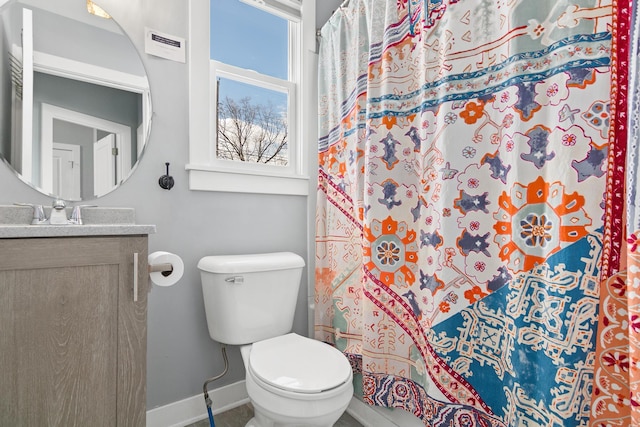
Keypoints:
pixel 291 380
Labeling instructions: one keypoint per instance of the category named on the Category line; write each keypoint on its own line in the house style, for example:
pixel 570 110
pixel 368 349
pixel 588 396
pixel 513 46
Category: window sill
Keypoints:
pixel 204 178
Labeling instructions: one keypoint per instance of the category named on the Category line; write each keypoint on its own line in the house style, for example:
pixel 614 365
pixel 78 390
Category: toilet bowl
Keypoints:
pixel 291 380
pixel 296 381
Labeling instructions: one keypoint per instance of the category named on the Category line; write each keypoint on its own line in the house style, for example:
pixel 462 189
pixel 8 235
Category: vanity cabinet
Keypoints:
pixel 73 331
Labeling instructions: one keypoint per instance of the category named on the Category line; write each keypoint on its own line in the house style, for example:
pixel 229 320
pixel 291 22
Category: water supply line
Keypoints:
pixel 207 400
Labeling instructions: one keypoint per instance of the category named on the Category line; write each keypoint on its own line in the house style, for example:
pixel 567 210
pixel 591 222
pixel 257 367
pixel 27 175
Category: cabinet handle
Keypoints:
pixel 135 277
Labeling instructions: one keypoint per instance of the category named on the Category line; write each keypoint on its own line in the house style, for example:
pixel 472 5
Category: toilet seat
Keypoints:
pixel 298 364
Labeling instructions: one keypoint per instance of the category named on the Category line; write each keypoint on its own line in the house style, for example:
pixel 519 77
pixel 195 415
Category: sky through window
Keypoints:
pixel 252 39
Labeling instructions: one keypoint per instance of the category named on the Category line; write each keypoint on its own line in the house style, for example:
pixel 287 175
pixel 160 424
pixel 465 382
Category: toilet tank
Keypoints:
pixel 249 298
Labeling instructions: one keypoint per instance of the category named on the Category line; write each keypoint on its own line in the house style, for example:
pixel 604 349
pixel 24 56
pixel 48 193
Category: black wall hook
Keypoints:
pixel 166 181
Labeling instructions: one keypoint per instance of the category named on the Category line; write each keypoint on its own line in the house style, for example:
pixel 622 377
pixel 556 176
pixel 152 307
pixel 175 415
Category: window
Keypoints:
pixel 246 89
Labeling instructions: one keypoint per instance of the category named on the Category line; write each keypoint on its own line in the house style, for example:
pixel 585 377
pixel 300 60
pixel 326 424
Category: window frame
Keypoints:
pixel 242 75
pixel 206 171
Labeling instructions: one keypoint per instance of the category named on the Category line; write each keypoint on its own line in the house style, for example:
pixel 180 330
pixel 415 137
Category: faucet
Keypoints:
pixel 38 215
pixel 39 218
pixel 76 215
pixel 58 213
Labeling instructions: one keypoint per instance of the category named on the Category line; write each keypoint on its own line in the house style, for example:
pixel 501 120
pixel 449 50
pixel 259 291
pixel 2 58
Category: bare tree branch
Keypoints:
pixel 251 132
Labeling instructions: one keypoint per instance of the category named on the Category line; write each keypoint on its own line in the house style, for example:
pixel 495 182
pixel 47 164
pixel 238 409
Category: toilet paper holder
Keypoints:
pixel 163 268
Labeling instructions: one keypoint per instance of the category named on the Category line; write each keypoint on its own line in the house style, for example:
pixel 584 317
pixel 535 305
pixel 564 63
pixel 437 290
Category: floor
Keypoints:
pixel 239 416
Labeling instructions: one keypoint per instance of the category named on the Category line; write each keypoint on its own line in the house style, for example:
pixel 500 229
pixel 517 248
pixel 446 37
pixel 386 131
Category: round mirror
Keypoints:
pixel 75 106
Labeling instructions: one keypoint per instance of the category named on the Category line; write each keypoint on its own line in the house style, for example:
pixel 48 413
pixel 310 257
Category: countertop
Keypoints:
pixel 13 231
pixel 15 223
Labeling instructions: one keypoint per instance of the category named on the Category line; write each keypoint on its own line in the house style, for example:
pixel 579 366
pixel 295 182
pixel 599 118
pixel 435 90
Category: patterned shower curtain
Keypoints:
pixel 472 258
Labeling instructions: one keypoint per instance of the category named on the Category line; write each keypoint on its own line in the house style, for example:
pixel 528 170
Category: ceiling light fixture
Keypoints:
pixel 94 9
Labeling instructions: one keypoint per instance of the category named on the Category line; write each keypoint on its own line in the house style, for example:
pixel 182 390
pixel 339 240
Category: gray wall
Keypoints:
pixel 192 224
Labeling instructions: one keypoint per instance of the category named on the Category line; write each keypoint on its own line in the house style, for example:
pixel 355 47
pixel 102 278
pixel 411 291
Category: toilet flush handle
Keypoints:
pixel 236 280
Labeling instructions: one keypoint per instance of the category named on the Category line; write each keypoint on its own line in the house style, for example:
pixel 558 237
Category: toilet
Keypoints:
pixel 291 380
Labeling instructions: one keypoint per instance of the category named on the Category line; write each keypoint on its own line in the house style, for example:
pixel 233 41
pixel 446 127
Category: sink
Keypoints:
pixel 15 222
pixel 22 215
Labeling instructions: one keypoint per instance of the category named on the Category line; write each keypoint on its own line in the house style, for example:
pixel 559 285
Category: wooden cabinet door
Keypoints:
pixel 72 341
pixel 132 335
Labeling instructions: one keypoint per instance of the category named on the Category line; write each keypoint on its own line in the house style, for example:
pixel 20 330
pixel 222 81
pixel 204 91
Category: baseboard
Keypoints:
pixel 193 409
pixel 370 416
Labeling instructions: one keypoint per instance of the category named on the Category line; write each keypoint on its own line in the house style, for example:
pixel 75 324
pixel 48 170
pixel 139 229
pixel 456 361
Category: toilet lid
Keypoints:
pixel 295 363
